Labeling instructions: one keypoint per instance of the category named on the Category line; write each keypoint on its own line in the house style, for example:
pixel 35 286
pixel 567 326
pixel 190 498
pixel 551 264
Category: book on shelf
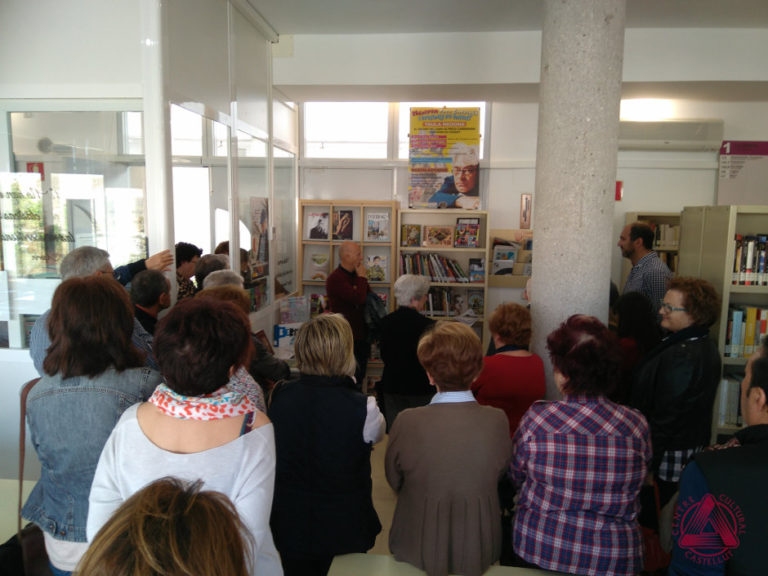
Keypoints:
pixel 377 227
pixel 459 304
pixel 476 301
pixel 467 233
pixel 376 268
pixel 477 270
pixel 294 309
pixel 318 303
pixel 318 222
pixel 439 301
pixel 746 328
pixel 730 400
pixel 410 235
pixel 319 265
pixel 342 224
pixel 666 237
pixel 436 266
pixel 749 261
pixel 438 236
pixel 504 258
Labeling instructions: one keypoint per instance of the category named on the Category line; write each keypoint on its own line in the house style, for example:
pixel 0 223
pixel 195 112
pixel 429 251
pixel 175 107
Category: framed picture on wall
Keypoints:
pixel 526 207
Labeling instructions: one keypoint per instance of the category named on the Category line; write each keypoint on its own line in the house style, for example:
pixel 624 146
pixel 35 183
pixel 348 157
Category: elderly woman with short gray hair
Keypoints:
pixel 404 383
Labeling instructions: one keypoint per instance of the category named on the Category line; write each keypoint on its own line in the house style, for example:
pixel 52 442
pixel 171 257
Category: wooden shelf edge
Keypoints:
pixel 507 281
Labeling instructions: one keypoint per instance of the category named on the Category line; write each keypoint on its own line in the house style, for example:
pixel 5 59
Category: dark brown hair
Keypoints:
pixel 587 354
pixel 171 529
pixel 198 342
pixel 700 299
pixel 90 327
pixel 512 323
pixel 452 354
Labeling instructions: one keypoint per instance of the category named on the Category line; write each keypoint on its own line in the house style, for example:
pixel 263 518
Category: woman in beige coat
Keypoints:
pixel 444 460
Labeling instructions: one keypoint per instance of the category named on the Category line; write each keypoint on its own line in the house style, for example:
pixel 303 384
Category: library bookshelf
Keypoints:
pixel 450 247
pixel 325 225
pixel 708 250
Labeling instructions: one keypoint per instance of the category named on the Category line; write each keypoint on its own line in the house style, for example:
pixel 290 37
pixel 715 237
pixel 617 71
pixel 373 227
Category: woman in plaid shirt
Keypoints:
pixel 579 463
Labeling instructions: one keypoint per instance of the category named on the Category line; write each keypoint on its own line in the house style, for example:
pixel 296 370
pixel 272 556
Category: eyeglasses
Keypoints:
pixel 669 308
pixel 466 171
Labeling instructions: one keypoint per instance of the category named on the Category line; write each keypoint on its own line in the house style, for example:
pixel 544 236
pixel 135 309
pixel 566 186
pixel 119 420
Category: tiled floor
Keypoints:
pixel 384 498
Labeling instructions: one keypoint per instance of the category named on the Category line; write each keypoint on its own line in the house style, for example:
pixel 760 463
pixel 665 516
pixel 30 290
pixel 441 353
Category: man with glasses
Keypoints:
pixel 649 275
pixel 460 190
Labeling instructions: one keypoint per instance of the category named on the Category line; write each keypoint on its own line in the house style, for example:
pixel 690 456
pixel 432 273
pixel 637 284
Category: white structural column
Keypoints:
pixel 580 91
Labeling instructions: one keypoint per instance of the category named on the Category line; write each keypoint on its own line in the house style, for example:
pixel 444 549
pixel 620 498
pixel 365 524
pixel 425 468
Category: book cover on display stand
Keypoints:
pixel 377 227
pixel 342 224
pixel 438 236
pixel 476 270
pixel 467 233
pixel 476 301
pixel 410 235
pixel 319 225
pixel 376 268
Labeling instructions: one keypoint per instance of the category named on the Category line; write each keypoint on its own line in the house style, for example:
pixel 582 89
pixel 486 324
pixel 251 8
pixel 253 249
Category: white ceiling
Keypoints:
pixel 406 16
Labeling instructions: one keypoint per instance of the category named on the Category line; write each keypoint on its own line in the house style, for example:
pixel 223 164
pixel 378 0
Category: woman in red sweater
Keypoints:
pixel 512 378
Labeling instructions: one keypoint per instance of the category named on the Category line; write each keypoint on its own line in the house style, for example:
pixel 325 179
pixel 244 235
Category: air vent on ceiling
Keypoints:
pixel 671 135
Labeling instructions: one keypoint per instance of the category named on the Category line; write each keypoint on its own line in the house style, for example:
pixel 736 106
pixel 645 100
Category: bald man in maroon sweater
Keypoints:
pixel 347 288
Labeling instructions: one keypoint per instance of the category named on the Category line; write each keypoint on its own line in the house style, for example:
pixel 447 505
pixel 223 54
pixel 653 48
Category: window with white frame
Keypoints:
pixel 355 130
pixel 346 129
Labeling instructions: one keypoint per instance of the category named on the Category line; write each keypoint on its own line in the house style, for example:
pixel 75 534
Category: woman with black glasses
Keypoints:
pixel 676 384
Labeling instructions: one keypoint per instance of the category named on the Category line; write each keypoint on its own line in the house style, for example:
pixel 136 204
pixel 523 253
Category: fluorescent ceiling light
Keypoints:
pixel 647 109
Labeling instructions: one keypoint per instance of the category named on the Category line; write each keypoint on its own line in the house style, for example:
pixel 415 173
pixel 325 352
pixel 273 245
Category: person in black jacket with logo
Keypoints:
pixel 730 481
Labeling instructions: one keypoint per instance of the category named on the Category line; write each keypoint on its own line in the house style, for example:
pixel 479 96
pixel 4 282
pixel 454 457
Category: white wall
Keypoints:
pixel 658 181
pixel 73 49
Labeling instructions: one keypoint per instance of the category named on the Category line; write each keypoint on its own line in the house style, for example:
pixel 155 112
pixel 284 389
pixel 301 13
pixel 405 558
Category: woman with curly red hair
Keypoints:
pixel 676 384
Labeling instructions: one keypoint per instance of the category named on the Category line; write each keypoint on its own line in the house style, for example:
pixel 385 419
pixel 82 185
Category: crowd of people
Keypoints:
pixel 188 448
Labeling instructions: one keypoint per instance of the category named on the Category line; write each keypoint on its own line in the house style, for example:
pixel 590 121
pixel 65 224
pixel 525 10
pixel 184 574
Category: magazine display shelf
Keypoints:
pixel 324 225
pixel 708 250
pixel 521 271
pixel 459 291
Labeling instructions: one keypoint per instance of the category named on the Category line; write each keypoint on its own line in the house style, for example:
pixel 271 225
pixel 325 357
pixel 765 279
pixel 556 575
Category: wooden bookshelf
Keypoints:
pixel 452 279
pixel 707 250
pixel 371 224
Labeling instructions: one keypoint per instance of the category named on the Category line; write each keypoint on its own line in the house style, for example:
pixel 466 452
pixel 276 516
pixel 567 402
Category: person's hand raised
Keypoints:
pixel 161 261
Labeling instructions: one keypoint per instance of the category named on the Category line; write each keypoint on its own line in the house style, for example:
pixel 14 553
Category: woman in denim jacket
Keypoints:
pixel 93 373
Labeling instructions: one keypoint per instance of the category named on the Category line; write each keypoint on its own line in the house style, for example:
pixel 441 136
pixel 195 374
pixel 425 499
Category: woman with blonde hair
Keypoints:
pixel 444 461
pixel 171 528
pixel 324 430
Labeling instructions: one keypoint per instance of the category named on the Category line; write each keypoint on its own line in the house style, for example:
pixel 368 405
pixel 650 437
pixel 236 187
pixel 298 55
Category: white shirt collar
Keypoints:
pixel 453 396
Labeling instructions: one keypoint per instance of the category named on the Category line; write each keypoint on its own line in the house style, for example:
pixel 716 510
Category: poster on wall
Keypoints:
pixel 30 246
pixel 743 172
pixel 444 158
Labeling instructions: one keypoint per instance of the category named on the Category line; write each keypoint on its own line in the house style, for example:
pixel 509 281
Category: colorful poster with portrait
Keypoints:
pixel 444 158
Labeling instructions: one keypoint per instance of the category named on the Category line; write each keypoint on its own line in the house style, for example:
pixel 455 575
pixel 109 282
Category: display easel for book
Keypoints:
pixel 511 255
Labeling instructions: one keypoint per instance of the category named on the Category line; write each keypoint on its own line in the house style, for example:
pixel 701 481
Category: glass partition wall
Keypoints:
pixel 78 178
pixel 74 179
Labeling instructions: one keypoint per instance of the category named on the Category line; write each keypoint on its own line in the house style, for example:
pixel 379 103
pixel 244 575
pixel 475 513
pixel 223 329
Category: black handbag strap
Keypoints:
pixel 22 444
